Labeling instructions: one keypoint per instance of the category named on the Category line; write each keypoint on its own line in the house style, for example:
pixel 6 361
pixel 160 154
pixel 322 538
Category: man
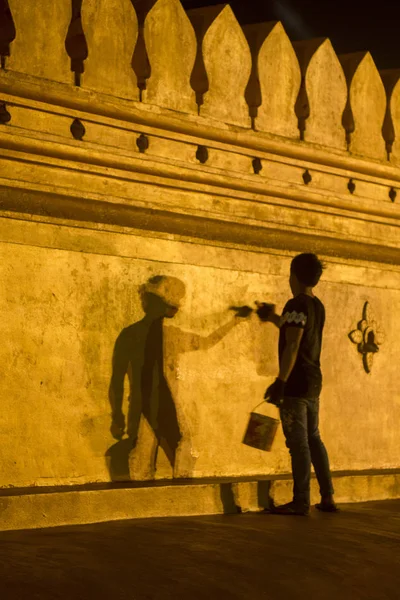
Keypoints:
pixel 297 388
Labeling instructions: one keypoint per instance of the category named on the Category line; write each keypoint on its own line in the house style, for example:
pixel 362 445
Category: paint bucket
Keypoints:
pixel 261 431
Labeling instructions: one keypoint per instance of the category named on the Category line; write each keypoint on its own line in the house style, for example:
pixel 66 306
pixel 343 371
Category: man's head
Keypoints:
pixel 305 272
pixel 162 296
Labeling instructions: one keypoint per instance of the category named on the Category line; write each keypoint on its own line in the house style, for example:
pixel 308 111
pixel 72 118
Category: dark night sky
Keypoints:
pixel 351 25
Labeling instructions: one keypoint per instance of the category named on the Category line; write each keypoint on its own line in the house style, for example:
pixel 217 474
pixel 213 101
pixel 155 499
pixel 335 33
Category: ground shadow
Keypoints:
pixel 228 499
pixel 231 503
pixel 265 500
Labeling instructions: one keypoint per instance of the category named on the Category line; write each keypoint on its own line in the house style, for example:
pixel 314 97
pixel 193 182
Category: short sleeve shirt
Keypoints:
pixel 308 313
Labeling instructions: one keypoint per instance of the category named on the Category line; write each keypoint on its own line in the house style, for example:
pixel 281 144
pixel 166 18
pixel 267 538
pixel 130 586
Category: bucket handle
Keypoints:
pixel 263 402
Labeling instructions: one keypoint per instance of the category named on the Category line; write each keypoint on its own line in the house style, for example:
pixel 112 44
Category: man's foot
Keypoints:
pixel 291 509
pixel 327 507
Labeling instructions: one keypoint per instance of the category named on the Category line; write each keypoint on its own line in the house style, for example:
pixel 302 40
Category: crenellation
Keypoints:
pixel 39 45
pixel 227 63
pixel 323 95
pixel 391 128
pixel 275 80
pixel 7 33
pixel 367 104
pixel 111 31
pixel 171 51
pixel 190 65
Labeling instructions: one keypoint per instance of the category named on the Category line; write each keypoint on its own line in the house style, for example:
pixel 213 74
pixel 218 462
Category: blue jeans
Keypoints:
pixel 300 418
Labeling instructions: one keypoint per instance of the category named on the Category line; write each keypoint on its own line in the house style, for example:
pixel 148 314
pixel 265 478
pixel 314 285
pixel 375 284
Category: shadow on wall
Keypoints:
pixel 139 354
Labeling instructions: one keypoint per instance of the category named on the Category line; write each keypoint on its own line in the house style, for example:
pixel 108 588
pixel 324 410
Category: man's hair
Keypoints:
pixel 307 268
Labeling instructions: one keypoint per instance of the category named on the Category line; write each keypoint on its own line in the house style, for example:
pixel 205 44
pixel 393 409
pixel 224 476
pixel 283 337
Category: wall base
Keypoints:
pixel 33 508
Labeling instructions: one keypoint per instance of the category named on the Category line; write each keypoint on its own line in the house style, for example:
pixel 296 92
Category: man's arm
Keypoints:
pixel 275 319
pixel 267 314
pixel 275 392
pixel 293 339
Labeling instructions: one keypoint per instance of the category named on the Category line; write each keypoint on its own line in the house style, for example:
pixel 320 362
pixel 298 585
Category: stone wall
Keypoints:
pixel 195 150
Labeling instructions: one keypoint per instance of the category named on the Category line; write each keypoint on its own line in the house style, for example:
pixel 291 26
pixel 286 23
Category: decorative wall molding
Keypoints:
pixel 140 156
pixel 225 230
pixel 20 88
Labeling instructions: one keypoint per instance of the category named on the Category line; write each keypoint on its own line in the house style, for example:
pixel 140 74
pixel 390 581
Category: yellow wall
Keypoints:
pixel 216 172
pixel 67 293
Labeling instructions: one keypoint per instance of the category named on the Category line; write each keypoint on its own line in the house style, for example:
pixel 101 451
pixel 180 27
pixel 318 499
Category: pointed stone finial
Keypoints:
pixel 391 127
pixel 171 49
pixel 275 79
pixel 226 60
pixel 323 96
pixel 366 107
pixel 7 31
pixel 111 30
pixel 39 45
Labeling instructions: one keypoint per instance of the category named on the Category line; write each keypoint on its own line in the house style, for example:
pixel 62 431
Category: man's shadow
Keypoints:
pixel 139 354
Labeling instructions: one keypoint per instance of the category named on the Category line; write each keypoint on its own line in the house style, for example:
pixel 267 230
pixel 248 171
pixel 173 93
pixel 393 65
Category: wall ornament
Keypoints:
pixel 368 337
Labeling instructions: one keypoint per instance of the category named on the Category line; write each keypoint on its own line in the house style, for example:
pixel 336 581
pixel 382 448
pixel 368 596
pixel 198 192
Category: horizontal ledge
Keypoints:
pixel 232 234
pixel 184 138
pixel 162 173
pixel 127 485
pixel 78 99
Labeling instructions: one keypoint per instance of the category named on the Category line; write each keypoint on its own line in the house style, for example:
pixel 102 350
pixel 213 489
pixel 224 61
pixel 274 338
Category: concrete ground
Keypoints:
pixel 352 555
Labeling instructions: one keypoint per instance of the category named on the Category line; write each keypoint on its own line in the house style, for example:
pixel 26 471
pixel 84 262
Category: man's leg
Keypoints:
pixel 168 431
pixel 319 456
pixel 294 422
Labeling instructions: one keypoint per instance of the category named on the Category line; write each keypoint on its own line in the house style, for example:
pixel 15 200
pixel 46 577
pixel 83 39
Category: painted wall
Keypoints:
pixel 66 295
